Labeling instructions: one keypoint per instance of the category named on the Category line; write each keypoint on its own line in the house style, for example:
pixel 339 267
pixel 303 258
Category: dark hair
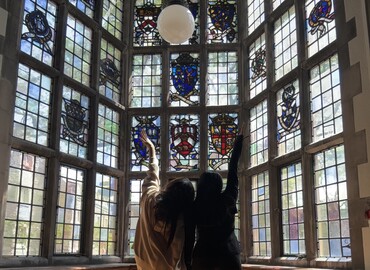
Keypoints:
pixel 176 199
pixel 208 200
pixel 209 186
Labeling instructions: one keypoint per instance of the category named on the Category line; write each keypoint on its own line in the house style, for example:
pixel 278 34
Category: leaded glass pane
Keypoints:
pixel 288 119
pixel 146 84
pixel 285 39
pixel 77 59
pixel 222 79
pixel 146 14
pixel 112 19
pixel 134 213
pixel 108 136
pixel 184 142
pixel 257 67
pixel 32 106
pixel 86 6
pixel 184 79
pixel 292 210
pixel 326 107
pixel 110 71
pixel 258 134
pixel 222 129
pixel 331 205
pixel 69 211
pixel 38 30
pixel 221 21
pixel 261 228
pixel 23 223
pixel 321 31
pixel 105 215
pixel 276 3
pixel 75 123
pixel 139 153
pixel 256 14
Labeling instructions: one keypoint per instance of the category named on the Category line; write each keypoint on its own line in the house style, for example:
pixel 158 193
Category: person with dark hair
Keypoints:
pixel 163 222
pixel 217 247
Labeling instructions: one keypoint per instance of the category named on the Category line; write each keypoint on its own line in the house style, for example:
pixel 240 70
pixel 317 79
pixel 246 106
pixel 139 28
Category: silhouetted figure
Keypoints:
pixel 217 247
pixel 160 232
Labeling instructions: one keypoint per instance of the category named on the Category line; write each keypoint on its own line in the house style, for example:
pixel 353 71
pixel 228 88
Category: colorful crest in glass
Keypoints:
pixel 184 75
pixel 108 72
pixel 145 123
pixel 146 23
pixel 289 118
pixel 222 17
pixel 320 15
pixel 74 123
pixel 183 137
pixel 39 29
pixel 258 65
pixel 223 130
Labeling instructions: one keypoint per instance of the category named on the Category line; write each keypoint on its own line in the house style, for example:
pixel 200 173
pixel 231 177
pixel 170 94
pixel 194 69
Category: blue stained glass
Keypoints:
pixel 262 234
pixel 294 247
pixel 42 3
pixel 222 15
pixel 34 91
pixel 184 74
pixel 319 15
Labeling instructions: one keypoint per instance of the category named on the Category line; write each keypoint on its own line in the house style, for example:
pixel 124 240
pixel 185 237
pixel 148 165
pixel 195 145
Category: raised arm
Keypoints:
pixel 232 176
pixel 152 178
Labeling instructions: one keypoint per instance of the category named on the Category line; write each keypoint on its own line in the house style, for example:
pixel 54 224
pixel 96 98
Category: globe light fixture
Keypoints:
pixel 175 22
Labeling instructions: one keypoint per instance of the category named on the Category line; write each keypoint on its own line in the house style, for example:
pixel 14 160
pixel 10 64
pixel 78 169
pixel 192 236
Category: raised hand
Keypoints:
pixel 147 143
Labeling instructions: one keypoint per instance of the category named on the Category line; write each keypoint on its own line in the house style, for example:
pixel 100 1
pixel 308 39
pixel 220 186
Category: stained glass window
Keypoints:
pixel 326 107
pixel 321 24
pixel 221 24
pixel 110 71
pixel 32 106
pixel 222 79
pixel 105 215
pixel 108 140
pixel 69 211
pixel 134 212
pixel 86 6
pixel 24 215
pixel 184 142
pixel 285 39
pixel 288 119
pixel 184 81
pixel 194 9
pixel 146 81
pixel 261 228
pixel 77 59
pixel 292 210
pixel 222 128
pixel 139 153
pixel 258 134
pixel 112 19
pixel 331 202
pixel 38 30
pixel 75 123
pixel 257 67
pixel 146 14
pixel 256 14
